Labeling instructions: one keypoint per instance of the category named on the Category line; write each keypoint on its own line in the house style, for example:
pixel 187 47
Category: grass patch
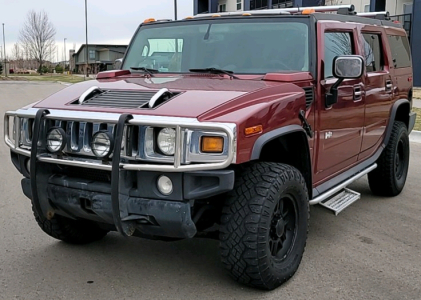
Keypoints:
pixel 418 120
pixel 50 77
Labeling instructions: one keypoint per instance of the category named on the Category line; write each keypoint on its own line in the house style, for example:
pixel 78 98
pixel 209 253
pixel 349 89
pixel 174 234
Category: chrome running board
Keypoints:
pixel 341 186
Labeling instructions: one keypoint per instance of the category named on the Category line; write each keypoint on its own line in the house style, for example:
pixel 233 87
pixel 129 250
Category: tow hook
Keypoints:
pixel 306 126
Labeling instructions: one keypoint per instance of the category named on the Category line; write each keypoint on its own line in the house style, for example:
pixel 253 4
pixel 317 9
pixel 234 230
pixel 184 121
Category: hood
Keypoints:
pixel 196 94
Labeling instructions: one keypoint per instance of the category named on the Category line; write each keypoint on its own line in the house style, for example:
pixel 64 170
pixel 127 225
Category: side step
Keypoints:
pixel 341 200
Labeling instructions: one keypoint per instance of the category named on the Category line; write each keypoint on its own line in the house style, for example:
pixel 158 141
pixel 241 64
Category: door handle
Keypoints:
pixel 358 93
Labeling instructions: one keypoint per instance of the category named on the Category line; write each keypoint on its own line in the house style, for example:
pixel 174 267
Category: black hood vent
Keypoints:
pixel 126 98
pixel 309 93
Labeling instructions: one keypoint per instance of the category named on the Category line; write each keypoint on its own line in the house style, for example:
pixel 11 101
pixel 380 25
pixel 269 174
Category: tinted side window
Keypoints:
pixel 373 52
pixel 401 53
pixel 336 44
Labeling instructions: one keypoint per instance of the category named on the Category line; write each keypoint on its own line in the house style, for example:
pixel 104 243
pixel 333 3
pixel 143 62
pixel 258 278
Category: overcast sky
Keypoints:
pixel 109 21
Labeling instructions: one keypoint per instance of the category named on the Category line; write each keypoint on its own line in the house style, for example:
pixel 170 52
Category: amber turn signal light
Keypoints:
pixel 253 129
pixel 150 20
pixel 308 11
pixel 212 144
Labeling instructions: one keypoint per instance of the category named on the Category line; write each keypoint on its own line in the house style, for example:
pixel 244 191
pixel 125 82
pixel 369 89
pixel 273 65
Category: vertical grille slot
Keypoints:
pixel 132 141
pixel 309 94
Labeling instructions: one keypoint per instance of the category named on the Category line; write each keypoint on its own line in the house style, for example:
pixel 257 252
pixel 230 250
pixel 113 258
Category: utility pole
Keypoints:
pixel 86 26
pixel 4 48
pixel 64 69
pixel 175 10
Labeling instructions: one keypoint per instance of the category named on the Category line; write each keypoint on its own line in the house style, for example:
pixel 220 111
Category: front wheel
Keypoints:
pixel 389 178
pixel 264 225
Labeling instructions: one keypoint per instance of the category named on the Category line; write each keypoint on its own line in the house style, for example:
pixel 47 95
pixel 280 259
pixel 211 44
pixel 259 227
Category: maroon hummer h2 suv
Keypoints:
pixel 227 126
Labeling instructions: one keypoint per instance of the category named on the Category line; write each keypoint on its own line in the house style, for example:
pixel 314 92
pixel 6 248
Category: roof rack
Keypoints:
pixel 379 15
pixel 339 9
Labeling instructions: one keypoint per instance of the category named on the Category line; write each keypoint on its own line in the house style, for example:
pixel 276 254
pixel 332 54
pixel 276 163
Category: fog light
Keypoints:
pixel 102 144
pixel 165 185
pixel 55 140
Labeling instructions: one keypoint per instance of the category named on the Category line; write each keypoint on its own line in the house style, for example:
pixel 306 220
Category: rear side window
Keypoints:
pixel 373 52
pixel 401 53
pixel 336 44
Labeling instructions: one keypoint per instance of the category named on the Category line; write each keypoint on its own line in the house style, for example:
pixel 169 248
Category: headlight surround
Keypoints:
pixel 56 140
pixel 102 144
pixel 166 141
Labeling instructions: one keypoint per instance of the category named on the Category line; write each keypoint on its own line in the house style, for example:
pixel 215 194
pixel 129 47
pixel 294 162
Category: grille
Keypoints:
pixel 309 93
pixel 121 99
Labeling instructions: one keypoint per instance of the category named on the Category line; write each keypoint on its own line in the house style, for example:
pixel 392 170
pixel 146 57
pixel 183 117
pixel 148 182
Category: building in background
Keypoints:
pixel 100 58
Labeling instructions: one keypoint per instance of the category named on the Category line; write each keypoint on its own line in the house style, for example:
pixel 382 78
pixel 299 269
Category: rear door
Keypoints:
pixel 378 86
pixel 340 125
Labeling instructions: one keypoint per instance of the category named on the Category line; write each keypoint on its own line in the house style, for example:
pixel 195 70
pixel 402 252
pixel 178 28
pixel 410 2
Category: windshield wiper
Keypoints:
pixel 215 71
pixel 146 70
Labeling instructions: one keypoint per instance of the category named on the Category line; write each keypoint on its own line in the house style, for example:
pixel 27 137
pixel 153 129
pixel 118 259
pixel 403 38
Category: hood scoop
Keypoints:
pixel 95 96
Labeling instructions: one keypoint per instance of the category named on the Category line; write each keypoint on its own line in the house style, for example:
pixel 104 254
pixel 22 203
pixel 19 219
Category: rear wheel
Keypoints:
pixel 69 230
pixel 389 178
pixel 264 225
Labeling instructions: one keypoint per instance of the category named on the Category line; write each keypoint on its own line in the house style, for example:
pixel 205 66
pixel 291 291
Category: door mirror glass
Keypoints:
pixel 348 66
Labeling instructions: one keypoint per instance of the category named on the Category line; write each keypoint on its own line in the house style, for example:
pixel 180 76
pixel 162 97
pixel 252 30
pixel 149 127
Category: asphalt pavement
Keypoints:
pixel 372 250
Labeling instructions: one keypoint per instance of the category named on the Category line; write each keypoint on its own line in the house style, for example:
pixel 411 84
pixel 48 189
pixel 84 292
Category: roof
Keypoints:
pixel 99 45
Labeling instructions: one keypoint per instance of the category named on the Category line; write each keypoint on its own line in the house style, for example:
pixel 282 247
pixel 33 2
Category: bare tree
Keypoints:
pixel 38 35
pixel 17 55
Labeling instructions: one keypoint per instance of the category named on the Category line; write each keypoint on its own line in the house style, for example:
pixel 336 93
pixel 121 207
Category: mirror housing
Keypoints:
pixel 344 67
pixel 117 64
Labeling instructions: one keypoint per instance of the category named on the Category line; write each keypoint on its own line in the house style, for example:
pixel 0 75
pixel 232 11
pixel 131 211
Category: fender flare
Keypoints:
pixel 271 135
pixel 392 119
pixel 280 132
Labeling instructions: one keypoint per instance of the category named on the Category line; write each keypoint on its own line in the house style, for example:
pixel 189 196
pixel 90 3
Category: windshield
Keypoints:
pixel 248 47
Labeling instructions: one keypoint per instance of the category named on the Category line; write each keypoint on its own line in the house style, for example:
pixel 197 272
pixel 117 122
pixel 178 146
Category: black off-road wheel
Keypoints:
pixel 264 225
pixel 69 230
pixel 389 178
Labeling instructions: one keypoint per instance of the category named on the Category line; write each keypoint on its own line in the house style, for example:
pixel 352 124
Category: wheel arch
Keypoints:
pixel 287 145
pixel 399 112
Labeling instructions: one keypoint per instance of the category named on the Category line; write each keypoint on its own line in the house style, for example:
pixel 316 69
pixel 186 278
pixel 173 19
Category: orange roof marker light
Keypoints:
pixel 246 14
pixel 215 16
pixel 188 18
pixel 308 11
pixel 253 130
pixel 150 20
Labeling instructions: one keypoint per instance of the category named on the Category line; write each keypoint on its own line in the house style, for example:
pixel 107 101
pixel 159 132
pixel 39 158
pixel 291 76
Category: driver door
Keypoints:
pixel 341 124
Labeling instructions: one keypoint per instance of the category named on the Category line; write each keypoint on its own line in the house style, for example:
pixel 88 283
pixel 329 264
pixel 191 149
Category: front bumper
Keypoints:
pixel 130 200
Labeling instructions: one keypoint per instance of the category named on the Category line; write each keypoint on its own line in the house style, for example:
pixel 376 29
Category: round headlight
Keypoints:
pixel 166 141
pixel 55 140
pixel 165 185
pixel 102 144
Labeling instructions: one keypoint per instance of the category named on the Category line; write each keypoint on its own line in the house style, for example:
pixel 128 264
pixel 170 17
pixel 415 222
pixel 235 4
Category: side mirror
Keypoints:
pixel 117 63
pixel 344 67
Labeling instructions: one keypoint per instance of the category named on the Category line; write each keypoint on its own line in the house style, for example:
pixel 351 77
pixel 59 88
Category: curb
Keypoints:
pixel 415 136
